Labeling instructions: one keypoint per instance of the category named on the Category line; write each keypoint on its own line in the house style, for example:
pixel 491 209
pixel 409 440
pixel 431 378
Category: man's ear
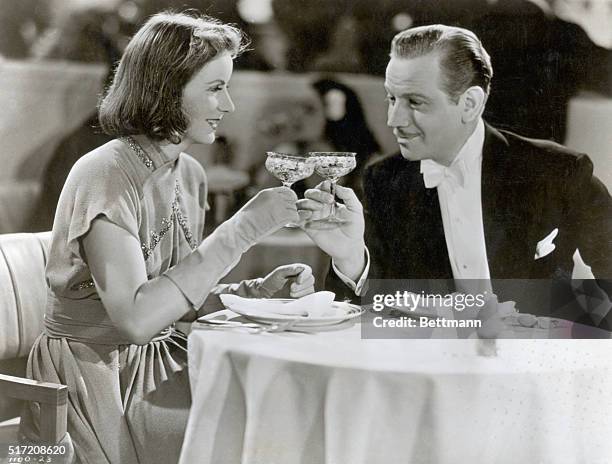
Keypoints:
pixel 473 101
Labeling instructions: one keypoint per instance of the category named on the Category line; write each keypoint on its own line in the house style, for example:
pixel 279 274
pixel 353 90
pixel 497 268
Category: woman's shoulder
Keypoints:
pixel 112 162
pixel 105 158
pixel 191 169
pixel 106 168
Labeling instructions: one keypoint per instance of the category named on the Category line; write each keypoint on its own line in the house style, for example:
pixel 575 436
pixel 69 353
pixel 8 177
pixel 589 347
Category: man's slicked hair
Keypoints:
pixel 463 60
pixel 145 96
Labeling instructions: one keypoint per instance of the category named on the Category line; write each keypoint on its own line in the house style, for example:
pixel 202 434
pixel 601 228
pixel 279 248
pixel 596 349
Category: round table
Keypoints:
pixel 335 398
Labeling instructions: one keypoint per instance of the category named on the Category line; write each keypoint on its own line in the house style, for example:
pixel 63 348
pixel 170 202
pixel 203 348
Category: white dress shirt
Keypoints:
pixel 459 194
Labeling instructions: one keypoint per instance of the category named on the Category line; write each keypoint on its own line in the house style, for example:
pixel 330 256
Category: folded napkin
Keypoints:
pixel 314 305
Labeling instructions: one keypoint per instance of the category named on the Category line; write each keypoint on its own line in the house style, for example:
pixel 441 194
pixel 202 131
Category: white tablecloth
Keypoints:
pixel 334 398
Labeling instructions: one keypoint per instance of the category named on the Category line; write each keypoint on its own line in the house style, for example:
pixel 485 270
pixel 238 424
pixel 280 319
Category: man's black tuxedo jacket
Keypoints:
pixel 529 188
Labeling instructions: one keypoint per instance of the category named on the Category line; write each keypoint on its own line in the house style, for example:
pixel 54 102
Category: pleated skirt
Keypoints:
pixel 126 403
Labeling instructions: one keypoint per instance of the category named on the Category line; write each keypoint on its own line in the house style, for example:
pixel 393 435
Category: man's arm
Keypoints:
pixel 344 241
pixel 375 256
pixel 590 213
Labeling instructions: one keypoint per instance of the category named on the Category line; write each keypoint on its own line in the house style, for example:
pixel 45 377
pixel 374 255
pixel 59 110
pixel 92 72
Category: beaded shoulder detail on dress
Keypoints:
pixel 142 155
pixel 86 284
pixel 166 223
pixel 155 237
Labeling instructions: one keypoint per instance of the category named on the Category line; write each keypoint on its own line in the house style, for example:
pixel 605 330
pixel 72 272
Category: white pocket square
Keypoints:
pixel 546 245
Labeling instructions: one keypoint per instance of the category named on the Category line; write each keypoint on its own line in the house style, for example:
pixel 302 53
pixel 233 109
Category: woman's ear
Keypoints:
pixel 473 101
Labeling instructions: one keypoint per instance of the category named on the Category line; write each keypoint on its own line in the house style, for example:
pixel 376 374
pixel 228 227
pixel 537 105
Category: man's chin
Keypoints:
pixel 410 155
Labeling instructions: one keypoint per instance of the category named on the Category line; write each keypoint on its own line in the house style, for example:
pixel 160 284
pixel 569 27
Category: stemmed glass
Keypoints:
pixel 289 169
pixel 332 165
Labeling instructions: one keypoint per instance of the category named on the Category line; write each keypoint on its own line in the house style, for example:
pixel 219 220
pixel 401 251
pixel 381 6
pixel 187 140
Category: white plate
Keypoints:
pixel 339 311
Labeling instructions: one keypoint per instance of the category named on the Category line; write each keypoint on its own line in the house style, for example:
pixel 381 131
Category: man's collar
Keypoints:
pixel 472 148
pixel 435 173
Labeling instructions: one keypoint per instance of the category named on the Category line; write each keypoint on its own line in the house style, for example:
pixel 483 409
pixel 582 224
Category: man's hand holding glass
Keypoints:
pixel 344 242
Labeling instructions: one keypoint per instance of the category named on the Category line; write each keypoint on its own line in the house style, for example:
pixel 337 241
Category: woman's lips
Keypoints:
pixel 213 123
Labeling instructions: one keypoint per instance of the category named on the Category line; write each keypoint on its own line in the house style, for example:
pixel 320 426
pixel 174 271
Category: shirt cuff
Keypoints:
pixel 356 287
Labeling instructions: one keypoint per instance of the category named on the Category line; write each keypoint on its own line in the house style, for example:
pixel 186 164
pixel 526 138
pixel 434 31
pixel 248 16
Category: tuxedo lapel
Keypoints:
pixel 505 214
pixel 423 241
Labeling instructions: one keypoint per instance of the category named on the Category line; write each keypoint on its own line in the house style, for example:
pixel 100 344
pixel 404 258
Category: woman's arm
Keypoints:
pixel 290 280
pixel 139 307
pixel 300 276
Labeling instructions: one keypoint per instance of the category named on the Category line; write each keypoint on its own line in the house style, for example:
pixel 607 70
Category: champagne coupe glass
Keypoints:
pixel 289 168
pixel 332 165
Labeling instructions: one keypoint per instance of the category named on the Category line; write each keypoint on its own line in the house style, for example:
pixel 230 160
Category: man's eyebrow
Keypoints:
pixel 409 94
pixel 415 94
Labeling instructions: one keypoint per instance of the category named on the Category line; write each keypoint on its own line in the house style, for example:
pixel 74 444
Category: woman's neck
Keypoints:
pixel 170 151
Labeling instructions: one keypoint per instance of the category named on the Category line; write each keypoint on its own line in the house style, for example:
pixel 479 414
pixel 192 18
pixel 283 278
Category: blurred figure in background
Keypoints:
pixel 343 53
pixel 270 46
pixel 346 128
pixel 308 27
pixel 88 35
pixel 20 23
pixel 541 62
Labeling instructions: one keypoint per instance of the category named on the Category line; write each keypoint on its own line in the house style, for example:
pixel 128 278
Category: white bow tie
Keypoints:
pixel 434 174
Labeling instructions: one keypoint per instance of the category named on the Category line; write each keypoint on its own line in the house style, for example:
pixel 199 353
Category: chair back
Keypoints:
pixel 23 291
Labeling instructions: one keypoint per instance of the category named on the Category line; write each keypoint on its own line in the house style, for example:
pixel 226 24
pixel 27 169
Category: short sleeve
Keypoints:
pixel 97 186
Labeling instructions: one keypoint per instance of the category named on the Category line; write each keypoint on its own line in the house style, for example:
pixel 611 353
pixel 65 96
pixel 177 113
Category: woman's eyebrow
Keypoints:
pixel 216 81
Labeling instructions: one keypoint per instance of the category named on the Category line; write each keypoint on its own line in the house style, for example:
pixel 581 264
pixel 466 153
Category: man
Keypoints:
pixel 463 200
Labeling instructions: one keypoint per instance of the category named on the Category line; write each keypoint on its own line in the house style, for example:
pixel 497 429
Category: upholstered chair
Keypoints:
pixel 22 304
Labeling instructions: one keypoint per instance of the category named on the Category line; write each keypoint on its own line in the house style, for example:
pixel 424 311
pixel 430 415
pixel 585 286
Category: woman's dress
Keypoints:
pixel 126 403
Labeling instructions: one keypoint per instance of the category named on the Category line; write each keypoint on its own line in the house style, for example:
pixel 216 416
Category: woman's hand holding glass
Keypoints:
pixel 268 211
pixel 289 169
pixel 330 165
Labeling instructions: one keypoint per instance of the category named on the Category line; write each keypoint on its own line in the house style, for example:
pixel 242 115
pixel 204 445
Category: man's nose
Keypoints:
pixel 225 102
pixel 399 115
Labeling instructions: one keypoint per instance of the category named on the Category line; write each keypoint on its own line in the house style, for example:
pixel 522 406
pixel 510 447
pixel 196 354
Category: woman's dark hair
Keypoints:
pixel 145 96
pixel 351 132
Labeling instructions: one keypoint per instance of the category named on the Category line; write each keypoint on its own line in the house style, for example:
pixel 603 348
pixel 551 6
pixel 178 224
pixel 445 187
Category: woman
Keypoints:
pixel 128 257
pixel 346 128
